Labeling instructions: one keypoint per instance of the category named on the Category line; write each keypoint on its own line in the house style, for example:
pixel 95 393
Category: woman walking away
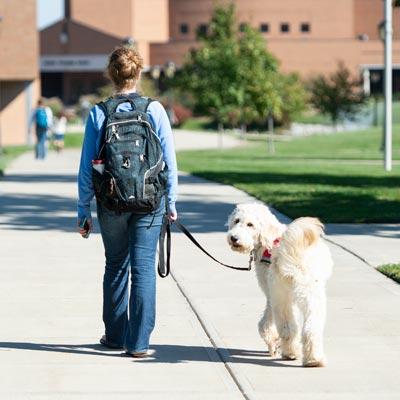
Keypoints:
pixel 43 118
pixel 128 161
pixel 59 129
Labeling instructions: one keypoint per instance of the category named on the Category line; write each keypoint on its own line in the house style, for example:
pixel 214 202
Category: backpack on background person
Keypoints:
pixel 129 173
pixel 42 121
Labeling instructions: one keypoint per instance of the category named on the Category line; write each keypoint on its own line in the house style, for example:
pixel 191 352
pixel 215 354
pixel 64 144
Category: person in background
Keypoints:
pixel 85 109
pixel 59 129
pixel 130 239
pixel 42 117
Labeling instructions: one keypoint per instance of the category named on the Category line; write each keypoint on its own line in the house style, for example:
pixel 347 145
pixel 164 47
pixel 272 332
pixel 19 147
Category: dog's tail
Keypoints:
pixel 301 234
pixel 304 232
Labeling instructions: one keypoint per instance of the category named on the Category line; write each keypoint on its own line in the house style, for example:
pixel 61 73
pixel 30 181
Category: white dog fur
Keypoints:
pixel 294 283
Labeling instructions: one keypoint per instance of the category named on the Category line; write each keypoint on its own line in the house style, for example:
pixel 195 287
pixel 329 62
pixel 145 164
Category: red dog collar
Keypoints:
pixel 266 257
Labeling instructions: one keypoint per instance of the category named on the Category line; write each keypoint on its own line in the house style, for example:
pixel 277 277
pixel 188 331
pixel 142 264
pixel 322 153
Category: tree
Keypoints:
pixel 210 73
pixel 339 95
pixel 259 78
pixel 293 95
pixel 231 76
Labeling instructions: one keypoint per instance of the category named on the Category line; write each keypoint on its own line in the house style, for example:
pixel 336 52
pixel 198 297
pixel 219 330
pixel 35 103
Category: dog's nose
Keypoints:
pixel 234 238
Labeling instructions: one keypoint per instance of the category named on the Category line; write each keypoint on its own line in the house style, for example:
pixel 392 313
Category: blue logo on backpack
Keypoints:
pixel 41 118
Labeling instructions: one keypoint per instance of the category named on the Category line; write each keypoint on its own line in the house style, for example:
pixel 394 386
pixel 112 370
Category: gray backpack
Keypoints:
pixel 129 174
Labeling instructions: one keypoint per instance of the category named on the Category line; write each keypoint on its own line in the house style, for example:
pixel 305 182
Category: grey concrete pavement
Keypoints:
pixel 187 140
pixel 50 296
pixel 363 329
pixel 377 244
pixel 51 304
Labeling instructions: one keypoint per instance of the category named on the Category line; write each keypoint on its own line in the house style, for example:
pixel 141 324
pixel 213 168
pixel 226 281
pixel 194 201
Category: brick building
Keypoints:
pixel 308 36
pixel 19 69
pixel 74 51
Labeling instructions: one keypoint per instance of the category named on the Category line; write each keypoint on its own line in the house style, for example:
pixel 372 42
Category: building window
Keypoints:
pixel 202 29
pixel 285 27
pixel 242 26
pixel 305 27
pixel 264 28
pixel 184 28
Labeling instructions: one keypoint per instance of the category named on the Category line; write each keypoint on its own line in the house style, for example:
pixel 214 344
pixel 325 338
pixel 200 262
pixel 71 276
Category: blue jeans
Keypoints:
pixel 130 242
pixel 40 149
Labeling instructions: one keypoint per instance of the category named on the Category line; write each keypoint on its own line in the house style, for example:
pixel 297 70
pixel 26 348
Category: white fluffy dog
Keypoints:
pixel 293 265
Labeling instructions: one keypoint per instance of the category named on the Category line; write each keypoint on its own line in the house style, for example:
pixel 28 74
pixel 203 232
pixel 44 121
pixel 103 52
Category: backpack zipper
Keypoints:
pixel 139 119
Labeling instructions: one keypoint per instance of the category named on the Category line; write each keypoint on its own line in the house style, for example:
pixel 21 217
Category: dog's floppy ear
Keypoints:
pixel 228 223
pixel 268 234
pixel 270 229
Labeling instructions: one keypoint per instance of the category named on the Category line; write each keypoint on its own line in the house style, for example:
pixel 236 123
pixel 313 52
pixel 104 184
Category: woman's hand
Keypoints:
pixel 84 230
pixel 172 216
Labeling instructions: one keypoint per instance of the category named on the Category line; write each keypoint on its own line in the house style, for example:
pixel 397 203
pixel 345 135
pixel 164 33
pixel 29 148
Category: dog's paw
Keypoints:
pixel 290 356
pixel 274 346
pixel 273 350
pixel 314 363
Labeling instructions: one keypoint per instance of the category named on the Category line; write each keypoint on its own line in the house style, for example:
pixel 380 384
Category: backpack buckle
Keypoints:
pixel 126 163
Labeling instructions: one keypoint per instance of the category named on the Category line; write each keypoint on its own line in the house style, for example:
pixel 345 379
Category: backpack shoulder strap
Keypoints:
pixel 141 103
pixel 109 105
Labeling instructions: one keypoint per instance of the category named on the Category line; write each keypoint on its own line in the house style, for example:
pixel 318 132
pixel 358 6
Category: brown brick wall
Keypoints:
pixel 19 68
pixel 113 17
pixel 306 57
pixel 150 20
pixel 333 35
pixel 328 19
pixel 82 40
pixel 144 20
pixel 368 14
pixel 15 114
pixel 18 40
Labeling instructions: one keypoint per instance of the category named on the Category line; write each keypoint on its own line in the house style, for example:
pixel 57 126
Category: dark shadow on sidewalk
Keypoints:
pixel 164 353
pixel 35 212
pixel 378 230
pixel 40 178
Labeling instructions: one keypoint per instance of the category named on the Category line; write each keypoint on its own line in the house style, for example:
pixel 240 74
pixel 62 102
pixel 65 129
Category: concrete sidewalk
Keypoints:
pixel 51 309
pixel 50 294
pixel 377 244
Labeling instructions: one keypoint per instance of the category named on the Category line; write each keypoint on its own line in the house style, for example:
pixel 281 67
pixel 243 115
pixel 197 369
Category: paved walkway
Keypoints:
pixel 50 294
pixel 377 244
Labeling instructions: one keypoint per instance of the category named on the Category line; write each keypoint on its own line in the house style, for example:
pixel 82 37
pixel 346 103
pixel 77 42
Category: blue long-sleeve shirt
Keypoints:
pixel 93 141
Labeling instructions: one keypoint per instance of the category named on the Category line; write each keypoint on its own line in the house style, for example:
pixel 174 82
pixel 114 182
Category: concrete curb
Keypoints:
pixel 239 379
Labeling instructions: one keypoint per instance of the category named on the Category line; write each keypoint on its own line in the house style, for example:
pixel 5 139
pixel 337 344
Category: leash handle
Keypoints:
pixel 164 266
pixel 186 232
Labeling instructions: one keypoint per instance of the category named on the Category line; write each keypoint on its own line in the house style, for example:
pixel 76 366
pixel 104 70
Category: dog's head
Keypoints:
pixel 252 226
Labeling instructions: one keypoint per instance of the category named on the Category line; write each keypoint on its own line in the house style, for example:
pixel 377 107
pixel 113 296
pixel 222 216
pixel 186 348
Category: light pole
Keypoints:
pixel 387 37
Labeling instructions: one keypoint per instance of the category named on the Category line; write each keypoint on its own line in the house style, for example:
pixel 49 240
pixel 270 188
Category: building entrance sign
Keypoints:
pixel 73 63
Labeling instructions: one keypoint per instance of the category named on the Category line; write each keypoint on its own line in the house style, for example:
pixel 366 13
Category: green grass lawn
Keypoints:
pixel 73 140
pixel 9 153
pixel 391 270
pixel 339 146
pixel 327 176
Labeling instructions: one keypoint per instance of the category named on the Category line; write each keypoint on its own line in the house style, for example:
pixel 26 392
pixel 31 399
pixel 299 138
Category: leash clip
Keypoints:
pixel 251 260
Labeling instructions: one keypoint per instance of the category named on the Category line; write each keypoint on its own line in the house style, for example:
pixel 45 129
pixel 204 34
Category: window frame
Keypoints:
pixel 264 25
pixel 182 27
pixel 284 27
pixel 305 27
pixel 202 29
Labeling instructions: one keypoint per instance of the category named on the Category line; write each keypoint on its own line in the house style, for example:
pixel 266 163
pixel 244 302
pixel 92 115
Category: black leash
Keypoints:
pixel 165 267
